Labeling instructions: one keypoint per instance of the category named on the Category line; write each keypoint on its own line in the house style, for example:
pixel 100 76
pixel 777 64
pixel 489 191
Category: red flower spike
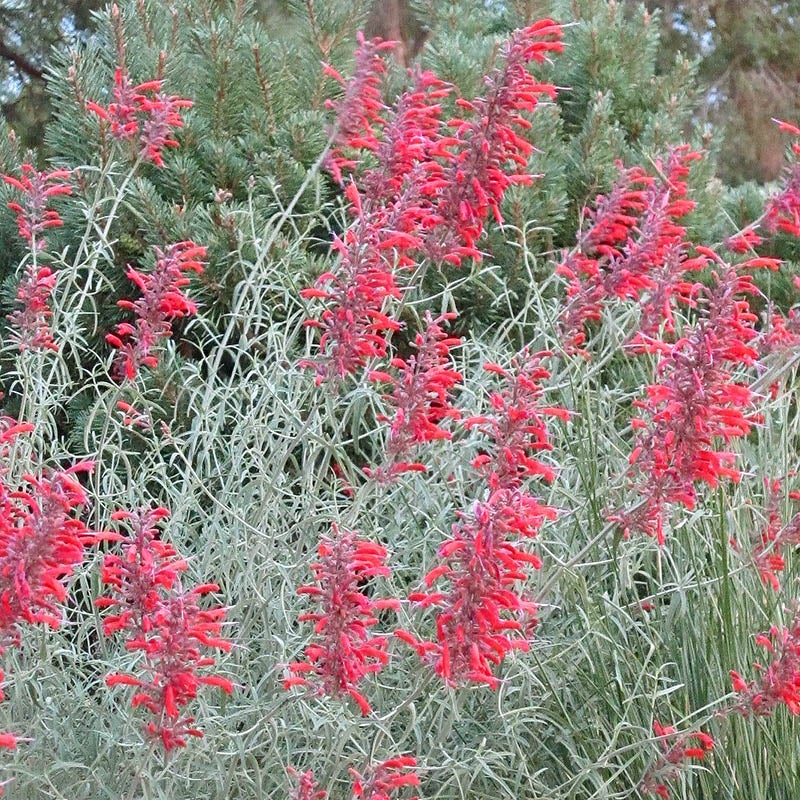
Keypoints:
pixel 343 652
pixel 783 209
pixel 162 301
pixel 423 384
pixel 360 110
pixel 41 543
pixel 471 182
pixel 305 787
pixel 33 214
pixel 30 324
pixel 780 681
pixel 382 780
pixel 165 623
pixel 695 403
pixel 676 750
pixel 143 112
pixel 634 249
pixel 482 617
pixel 768 548
pixel 417 201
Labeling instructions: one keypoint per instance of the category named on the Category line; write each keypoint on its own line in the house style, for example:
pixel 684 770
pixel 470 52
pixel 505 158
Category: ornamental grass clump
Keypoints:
pixel 419 482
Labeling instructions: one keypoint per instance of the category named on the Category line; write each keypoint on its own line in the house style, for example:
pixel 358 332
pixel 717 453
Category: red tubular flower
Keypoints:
pixel 517 428
pixel 411 139
pixel 744 241
pixel 421 397
pixel 165 623
pixel 482 616
pixel 344 651
pixel 783 209
pixel 162 301
pixel 305 787
pixel 30 324
pixel 382 780
pixel 780 334
pixel 780 681
pixel 143 111
pixel 388 217
pixel 356 323
pixel 694 403
pixel 162 118
pixel 41 543
pixel 33 214
pixel 676 749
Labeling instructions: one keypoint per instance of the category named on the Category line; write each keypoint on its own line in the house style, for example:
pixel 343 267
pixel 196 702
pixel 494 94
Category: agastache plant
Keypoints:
pixel 482 615
pixel 42 541
pixel 344 650
pixel 421 398
pixel 783 209
pixel 162 301
pixel 164 623
pixel 34 215
pixel 633 249
pixel 676 750
pixel 437 208
pixel 779 683
pixel 380 781
pixel 695 402
pixel 30 322
pixel 304 786
pixel 775 537
pixel 142 113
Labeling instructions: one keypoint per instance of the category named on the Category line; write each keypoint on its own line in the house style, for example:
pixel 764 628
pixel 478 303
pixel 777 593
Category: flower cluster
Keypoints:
pixel 381 780
pixel 41 543
pixel 775 536
pixel 780 681
pixel 359 111
pixel 482 617
pixel 305 787
pixel 676 749
pixel 356 325
pixel 345 651
pixel 378 782
pixel 161 302
pixel 33 213
pixel 470 181
pixel 421 397
pixel 634 249
pixel 163 622
pixel 30 324
pixel 783 210
pixel 143 113
pixel 695 402
pixel 428 196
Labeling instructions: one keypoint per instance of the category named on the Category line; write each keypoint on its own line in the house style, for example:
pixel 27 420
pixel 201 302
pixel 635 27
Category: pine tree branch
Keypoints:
pixel 22 63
